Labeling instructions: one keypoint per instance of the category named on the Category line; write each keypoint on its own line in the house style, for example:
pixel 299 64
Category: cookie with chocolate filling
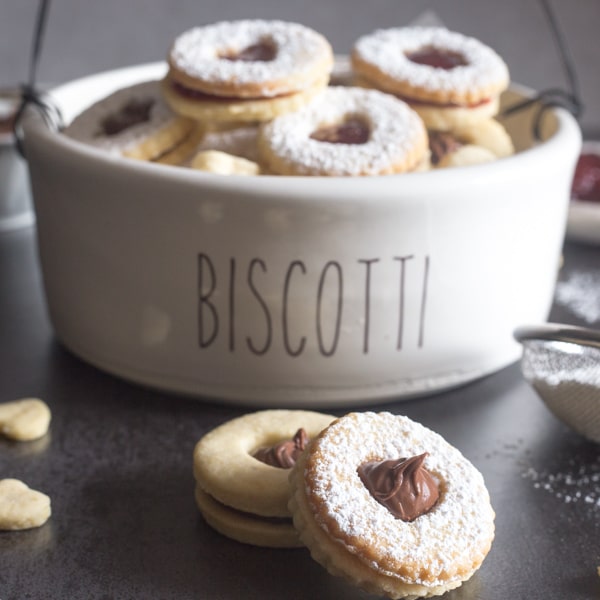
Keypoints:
pixel 136 122
pixel 241 470
pixel 391 506
pixel 247 70
pixel 450 79
pixel 482 142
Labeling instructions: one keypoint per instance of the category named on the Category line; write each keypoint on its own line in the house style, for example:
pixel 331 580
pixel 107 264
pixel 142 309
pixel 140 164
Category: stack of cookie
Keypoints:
pixel 377 498
pixel 452 81
pixel 254 97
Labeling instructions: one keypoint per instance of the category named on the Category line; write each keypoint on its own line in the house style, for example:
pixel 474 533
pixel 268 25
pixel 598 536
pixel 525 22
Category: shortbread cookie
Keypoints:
pixel 465 156
pixel 134 122
pixel 241 470
pixel 239 141
pixel 222 163
pixel 180 154
pixel 24 420
pixel 246 70
pixel 21 507
pixel 391 506
pixel 269 532
pixel 482 142
pixel 488 134
pixel 450 79
pixel 345 131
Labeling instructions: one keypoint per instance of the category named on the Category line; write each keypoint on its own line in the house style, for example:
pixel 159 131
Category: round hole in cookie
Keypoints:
pixel 438 58
pixel 353 129
pixel 283 453
pixel 264 50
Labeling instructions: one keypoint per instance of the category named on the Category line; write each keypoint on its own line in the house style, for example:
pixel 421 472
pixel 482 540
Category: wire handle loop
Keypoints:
pixel 553 97
pixel 30 95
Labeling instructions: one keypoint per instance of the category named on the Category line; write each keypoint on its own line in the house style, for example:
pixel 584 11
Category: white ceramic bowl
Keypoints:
pixel 281 291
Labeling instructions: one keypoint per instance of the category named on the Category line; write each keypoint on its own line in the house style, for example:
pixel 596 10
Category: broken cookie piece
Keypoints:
pixel 25 419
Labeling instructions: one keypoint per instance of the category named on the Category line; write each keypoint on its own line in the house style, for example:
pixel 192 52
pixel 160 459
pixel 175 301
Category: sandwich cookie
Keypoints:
pixel 391 506
pixel 485 141
pixel 248 70
pixel 241 470
pixel 450 79
pixel 136 122
pixel 345 131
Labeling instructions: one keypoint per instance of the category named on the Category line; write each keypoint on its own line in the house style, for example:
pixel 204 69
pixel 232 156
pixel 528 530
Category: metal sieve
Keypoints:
pixel 562 363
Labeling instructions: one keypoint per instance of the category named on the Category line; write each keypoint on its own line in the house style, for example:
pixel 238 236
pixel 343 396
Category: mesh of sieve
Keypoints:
pixel 562 363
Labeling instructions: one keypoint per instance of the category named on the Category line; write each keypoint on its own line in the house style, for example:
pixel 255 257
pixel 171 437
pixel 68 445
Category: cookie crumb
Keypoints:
pixel 25 419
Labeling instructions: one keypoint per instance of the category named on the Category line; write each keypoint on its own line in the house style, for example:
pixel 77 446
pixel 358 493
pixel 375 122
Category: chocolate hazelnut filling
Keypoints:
pixel 404 486
pixel 133 113
pixel 438 58
pixel 442 143
pixel 351 131
pixel 284 454
pixel 260 52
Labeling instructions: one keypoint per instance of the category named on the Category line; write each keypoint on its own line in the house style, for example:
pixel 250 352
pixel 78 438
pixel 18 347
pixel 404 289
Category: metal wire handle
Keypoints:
pixel 554 97
pixel 546 99
pixel 30 95
pixel 557 332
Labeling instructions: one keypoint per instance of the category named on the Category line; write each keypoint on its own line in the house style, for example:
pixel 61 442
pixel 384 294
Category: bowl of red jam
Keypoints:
pixel 583 223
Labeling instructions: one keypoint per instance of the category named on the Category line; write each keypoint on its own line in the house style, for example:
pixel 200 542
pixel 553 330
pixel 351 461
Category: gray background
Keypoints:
pixel 83 37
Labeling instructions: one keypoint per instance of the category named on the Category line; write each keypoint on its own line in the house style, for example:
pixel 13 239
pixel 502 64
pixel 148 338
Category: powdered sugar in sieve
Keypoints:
pixel 562 363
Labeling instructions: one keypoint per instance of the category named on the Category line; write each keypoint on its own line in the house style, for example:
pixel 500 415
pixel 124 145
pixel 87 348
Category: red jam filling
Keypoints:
pixel 351 131
pixel 438 58
pixel 192 94
pixel 586 181
pixel 418 102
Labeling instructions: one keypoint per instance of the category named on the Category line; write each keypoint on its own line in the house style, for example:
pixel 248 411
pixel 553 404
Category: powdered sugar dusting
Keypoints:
pixel 580 293
pixel 387 49
pixel 567 376
pixel 87 128
pixel 576 485
pixel 197 52
pixel 394 130
pixel 455 534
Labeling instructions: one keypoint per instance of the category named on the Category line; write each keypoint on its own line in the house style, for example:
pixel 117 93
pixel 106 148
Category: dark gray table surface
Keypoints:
pixel 117 464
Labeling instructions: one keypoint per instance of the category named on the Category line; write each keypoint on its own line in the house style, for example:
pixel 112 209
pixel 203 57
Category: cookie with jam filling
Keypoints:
pixel 450 79
pixel 246 70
